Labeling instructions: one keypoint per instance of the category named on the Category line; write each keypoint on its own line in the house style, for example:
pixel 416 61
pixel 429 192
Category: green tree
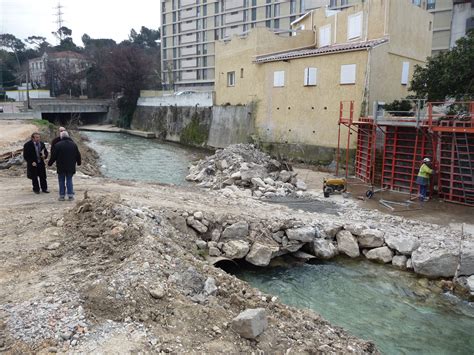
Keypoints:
pixel 147 38
pixel 66 43
pixel 12 44
pixel 449 74
pixel 39 43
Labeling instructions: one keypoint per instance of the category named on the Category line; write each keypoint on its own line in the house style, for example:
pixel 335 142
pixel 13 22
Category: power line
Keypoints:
pixel 59 16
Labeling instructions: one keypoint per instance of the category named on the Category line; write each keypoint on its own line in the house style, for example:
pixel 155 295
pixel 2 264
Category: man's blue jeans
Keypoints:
pixel 65 183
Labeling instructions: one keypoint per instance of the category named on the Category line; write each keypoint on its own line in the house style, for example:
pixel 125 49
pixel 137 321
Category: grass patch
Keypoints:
pixel 42 123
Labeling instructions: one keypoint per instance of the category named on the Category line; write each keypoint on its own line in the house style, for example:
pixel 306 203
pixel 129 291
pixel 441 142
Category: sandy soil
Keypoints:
pixel 14 134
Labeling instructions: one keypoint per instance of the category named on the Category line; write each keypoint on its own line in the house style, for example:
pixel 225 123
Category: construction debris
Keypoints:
pixel 244 167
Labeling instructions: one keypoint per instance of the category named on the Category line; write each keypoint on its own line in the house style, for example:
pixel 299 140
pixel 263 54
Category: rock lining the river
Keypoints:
pixel 242 167
pixel 258 242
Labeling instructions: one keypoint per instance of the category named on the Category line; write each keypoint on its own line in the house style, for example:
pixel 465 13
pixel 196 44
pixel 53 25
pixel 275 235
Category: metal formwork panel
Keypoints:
pixel 456 163
pixel 364 160
pixel 404 148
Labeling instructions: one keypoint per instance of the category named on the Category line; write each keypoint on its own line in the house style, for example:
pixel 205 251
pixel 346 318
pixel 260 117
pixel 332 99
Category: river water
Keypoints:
pixel 374 302
pixel 370 301
pixel 134 158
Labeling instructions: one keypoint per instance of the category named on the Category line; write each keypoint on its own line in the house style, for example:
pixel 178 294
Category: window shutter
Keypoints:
pixel 325 36
pixel 354 26
pixel 310 75
pixel 278 78
pixel 405 70
pixel 348 74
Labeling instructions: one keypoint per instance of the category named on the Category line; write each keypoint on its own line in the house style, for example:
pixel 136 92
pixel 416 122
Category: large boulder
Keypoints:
pixel 355 228
pixel 250 323
pixel 303 234
pixel 236 249
pixel 323 249
pixel 260 254
pixel 256 171
pixel 400 261
pixel 371 238
pixel 284 176
pixel 466 263
pixel 347 244
pixel 404 244
pixel 257 182
pixel 331 229
pixel 380 255
pixel 196 225
pixel 237 230
pixel 434 261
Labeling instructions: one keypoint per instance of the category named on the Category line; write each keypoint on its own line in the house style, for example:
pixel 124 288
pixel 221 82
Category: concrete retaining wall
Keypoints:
pixel 215 127
pixel 203 99
pixel 20 116
pixel 230 125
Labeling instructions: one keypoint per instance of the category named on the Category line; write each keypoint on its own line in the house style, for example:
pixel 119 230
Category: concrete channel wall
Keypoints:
pixel 203 99
pixel 215 127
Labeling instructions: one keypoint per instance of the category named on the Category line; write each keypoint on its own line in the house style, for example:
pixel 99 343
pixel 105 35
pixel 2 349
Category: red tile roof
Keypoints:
pixel 335 48
pixel 66 54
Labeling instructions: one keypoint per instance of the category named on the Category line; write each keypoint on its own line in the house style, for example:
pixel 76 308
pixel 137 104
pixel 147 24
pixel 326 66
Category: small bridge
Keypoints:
pixel 70 105
pixel 87 110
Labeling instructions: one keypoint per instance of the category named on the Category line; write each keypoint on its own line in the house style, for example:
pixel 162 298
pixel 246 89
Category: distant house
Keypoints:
pixel 363 52
pixel 61 72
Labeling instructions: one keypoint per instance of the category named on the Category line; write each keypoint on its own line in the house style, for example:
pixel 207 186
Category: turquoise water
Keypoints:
pixel 127 157
pixel 376 303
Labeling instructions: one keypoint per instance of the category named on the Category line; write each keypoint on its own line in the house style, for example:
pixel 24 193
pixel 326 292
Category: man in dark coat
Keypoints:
pixel 35 153
pixel 57 139
pixel 66 155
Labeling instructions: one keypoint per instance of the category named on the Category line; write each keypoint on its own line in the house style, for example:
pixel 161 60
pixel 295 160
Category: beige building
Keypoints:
pixel 69 61
pixel 190 28
pixel 364 52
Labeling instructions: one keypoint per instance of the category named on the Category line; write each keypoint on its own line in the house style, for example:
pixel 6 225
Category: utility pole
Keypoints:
pixel 28 87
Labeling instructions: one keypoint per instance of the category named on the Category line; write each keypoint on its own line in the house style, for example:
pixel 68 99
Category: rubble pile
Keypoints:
pixel 243 167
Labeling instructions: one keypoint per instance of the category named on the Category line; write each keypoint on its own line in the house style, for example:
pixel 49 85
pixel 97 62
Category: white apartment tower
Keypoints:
pixel 189 29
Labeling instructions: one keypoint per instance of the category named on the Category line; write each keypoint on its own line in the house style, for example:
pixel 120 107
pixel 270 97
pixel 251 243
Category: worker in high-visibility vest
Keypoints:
pixel 423 178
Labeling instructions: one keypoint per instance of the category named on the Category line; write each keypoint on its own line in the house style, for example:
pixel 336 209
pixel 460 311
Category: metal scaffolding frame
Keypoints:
pixel 428 131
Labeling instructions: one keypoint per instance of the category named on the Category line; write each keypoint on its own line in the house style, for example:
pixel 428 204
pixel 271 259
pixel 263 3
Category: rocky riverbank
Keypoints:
pixel 242 170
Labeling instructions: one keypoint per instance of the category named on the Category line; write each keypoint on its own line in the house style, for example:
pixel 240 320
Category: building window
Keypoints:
pixel 416 2
pixel 310 76
pixel 241 72
pixel 254 14
pixel 292 6
pixel 276 23
pixel 325 36
pixel 278 79
pixel 348 74
pixel 276 10
pixel 333 3
pixel 431 4
pixel 405 71
pixel 344 2
pixel 302 6
pixel 354 26
pixel 268 11
pixel 231 78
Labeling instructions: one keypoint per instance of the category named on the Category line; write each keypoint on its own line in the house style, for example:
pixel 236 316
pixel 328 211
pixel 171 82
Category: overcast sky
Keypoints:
pixel 98 18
